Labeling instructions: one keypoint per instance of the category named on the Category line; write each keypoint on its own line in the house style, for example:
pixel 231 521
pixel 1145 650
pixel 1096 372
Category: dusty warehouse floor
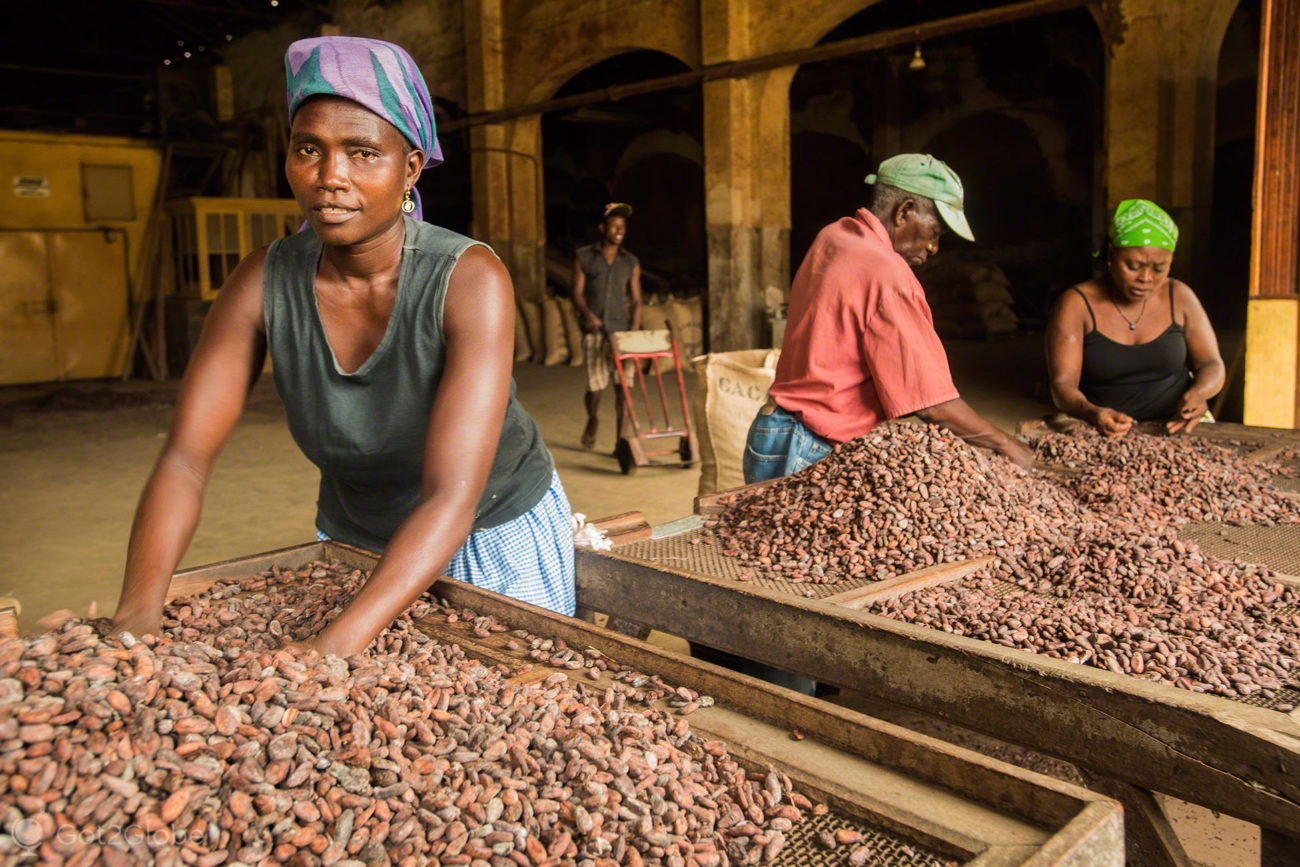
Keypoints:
pixel 74 457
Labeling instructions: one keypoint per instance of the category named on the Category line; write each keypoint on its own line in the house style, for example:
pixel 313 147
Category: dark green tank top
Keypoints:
pixel 366 430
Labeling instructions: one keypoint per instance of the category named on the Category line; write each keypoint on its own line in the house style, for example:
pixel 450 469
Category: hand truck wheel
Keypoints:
pixel 626 460
pixel 686 449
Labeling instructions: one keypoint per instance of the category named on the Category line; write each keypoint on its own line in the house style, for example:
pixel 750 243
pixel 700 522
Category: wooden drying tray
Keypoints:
pixel 954 801
pixel 1263 443
pixel 1225 755
pixel 1223 432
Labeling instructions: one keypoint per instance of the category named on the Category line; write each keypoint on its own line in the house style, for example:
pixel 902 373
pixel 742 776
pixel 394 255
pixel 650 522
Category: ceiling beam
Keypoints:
pixel 231 9
pixel 85 73
pixel 22 109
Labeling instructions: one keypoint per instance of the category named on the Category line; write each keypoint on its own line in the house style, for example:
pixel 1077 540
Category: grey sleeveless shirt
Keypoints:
pixel 608 285
pixel 366 430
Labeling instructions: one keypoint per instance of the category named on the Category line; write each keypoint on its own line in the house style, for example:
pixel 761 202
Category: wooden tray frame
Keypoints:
pixel 1230 757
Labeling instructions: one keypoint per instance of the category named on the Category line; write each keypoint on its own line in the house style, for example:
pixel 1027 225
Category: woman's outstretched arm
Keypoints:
pixel 225 363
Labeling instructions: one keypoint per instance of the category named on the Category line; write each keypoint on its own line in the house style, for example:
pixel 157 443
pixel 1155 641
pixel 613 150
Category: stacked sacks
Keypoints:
pixel 548 332
pixel 523 351
pixel 531 314
pixel 685 316
pixel 572 333
pixel 969 295
pixel 557 344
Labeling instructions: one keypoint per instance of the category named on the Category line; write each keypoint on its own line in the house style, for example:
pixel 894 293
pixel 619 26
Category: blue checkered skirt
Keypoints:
pixel 529 558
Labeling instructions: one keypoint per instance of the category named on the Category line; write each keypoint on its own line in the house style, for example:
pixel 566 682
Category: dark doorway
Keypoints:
pixel 446 189
pixel 644 150
pixel 1228 287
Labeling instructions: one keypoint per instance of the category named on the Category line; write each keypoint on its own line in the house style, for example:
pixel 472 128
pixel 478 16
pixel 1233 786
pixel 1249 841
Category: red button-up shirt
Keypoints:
pixel 860 346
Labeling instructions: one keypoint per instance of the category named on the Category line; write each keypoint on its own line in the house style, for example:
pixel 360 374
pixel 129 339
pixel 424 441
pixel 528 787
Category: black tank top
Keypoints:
pixel 366 430
pixel 1144 381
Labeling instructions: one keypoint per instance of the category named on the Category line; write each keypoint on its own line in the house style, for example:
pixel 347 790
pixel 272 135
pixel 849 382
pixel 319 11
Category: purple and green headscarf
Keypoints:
pixel 378 75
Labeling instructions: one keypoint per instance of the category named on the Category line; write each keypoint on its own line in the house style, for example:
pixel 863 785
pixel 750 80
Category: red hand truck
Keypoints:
pixel 636 443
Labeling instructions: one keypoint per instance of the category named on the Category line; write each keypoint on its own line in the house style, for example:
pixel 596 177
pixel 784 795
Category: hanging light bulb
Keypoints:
pixel 917 63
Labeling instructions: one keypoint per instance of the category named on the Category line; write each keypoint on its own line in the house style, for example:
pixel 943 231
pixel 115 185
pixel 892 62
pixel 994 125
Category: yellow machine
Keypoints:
pixel 73 228
pixel 70 229
pixel 208 237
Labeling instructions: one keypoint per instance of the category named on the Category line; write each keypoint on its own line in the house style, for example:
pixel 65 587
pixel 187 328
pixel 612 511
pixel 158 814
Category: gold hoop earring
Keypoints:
pixel 408 203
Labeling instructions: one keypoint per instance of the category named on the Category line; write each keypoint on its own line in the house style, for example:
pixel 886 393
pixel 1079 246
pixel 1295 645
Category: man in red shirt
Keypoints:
pixel 860 346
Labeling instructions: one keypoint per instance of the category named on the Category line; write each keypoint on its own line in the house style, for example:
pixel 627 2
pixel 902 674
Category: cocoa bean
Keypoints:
pixel 222 746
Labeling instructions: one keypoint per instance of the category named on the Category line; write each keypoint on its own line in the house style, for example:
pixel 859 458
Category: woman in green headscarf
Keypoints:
pixel 1134 345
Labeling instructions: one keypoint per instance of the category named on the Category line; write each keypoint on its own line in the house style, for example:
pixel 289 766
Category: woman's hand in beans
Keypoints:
pixel 1191 409
pixel 1112 422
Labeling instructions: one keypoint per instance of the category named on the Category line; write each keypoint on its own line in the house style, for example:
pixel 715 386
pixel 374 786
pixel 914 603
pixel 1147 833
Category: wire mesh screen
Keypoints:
pixel 692 553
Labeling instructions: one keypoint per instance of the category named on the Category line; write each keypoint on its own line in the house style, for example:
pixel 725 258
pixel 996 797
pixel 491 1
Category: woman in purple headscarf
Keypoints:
pixel 392 344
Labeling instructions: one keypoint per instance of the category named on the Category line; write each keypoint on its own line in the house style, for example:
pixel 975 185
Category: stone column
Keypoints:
pixel 505 158
pixel 747 183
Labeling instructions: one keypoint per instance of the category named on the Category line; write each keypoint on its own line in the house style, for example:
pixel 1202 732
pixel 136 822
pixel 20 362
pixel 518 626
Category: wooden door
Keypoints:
pixel 27 334
pixel 88 284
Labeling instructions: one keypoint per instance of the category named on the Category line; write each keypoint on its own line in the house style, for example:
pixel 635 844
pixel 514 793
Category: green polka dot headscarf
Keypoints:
pixel 1139 223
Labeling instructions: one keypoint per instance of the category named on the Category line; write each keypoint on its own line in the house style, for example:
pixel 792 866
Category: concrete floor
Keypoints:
pixel 73 459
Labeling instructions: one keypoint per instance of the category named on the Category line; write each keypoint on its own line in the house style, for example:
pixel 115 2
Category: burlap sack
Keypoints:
pixel 557 345
pixel 533 323
pixel 572 333
pixel 732 387
pixel 654 317
pixel 687 318
pixel 523 351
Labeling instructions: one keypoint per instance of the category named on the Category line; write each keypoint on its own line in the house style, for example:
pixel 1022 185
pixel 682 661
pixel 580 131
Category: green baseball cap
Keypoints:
pixel 926 176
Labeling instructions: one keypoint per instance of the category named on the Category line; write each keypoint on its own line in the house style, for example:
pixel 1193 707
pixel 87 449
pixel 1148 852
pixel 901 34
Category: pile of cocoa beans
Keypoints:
pixel 1136 602
pixel 1158 479
pixel 214 745
pixel 902 498
pixel 1095 584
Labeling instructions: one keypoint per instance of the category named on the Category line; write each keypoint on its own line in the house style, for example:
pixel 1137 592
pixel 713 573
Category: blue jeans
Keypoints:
pixel 779 445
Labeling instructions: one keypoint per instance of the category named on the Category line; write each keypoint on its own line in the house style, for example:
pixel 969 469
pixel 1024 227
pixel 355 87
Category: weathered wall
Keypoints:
pixel 431 30
pixel 546 43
